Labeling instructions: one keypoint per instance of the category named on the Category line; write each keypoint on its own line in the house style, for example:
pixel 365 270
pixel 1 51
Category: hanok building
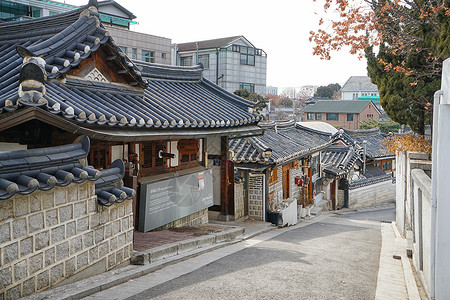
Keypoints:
pixel 346 114
pixel 370 182
pixel 281 169
pixel 63 76
pixel 233 62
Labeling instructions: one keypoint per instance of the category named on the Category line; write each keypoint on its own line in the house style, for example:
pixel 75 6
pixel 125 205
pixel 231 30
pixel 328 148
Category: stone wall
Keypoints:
pixel 256 197
pixel 374 195
pixel 48 237
pixel 239 212
pixel 197 218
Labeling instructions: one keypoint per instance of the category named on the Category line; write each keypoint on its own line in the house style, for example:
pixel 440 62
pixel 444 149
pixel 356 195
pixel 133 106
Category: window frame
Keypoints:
pixel 149 57
pixel 350 118
pixel 247 86
pixel 309 116
pixel 318 116
pixel 329 117
pixel 186 58
pixel 201 57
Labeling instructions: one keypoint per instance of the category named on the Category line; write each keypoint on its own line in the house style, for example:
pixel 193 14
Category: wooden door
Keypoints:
pixel 333 194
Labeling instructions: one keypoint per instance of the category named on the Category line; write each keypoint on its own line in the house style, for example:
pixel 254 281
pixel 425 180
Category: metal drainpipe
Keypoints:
pixel 437 100
pixel 364 156
pixel 217 66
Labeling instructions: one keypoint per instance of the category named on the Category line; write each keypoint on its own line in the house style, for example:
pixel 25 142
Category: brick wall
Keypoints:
pixel 47 237
pixel 379 194
pixel 239 201
pixel 255 197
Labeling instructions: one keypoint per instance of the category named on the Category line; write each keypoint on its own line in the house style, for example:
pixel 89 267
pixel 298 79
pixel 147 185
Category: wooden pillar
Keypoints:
pixel 226 180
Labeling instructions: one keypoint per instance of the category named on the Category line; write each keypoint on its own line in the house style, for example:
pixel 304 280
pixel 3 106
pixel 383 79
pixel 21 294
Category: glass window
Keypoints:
pixel 387 166
pixel 332 117
pixel 186 61
pixel 349 117
pixel 124 49
pixel 285 181
pixel 247 54
pixel 133 53
pixel 148 56
pixel 163 55
pixel 370 115
pixel 310 116
pixel 247 86
pixel 318 116
pixel 204 59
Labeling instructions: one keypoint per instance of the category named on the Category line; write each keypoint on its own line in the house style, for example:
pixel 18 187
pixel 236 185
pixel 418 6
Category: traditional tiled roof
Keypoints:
pixel 338 106
pixel 374 138
pixel 214 43
pixel 359 83
pixel 281 142
pixel 25 171
pixel 157 97
pixel 339 160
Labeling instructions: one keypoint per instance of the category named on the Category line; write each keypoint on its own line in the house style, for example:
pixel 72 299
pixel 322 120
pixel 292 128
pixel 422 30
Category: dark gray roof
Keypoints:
pixel 284 140
pixel 116 5
pixel 207 44
pixel 374 138
pixel 25 171
pixel 359 83
pixel 158 97
pixel 338 106
pixel 340 160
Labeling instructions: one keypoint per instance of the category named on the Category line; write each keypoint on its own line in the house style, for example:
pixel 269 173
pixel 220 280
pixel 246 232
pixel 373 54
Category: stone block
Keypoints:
pixel 99 234
pixel 42 280
pixel 60 196
pixel 49 257
pixel 93 254
pixel 103 249
pixel 82 224
pixel 115 227
pixel 10 253
pixel 69 267
pixel 113 213
pixel 111 260
pixel 88 239
pixel 56 273
pixel 82 260
pixel 42 240
pixel 108 230
pixel 20 206
pixel 29 287
pixel 119 256
pixel 48 199
pixel 65 213
pixel 62 251
pixel 51 217
pixel 76 245
pixel 36 222
pixel 121 239
pixel 5 233
pixel 79 209
pixel 83 191
pixel 36 263
pixel 113 243
pixel 5 277
pixel 72 193
pixel 26 246
pixel 71 229
pixel 104 216
pixel 120 211
pixel 20 270
pixel 94 220
pixel 92 206
pixel 125 224
pixel 35 202
pixel 130 236
pixel 13 293
pixel 58 234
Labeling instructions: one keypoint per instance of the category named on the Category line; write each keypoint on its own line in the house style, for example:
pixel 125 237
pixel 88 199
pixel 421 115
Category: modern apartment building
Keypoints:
pixel 116 19
pixel 232 62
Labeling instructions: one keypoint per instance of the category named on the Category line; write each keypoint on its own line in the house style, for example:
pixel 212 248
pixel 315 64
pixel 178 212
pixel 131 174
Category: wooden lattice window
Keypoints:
pixel 188 152
pixel 150 159
pixel 99 156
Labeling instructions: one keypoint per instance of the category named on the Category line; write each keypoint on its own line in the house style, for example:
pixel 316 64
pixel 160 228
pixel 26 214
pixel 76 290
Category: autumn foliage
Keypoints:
pixel 407 142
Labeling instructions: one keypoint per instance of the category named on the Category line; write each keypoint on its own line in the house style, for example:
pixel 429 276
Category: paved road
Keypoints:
pixel 333 257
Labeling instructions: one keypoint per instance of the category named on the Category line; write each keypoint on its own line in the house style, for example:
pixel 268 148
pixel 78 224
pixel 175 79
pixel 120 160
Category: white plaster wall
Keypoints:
pixel 400 191
pixel 213 148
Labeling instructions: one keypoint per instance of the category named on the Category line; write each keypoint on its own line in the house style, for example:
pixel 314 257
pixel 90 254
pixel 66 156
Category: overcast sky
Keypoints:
pixel 281 28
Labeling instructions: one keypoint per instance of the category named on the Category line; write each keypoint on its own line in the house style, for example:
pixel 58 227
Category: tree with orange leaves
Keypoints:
pixel 412 38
